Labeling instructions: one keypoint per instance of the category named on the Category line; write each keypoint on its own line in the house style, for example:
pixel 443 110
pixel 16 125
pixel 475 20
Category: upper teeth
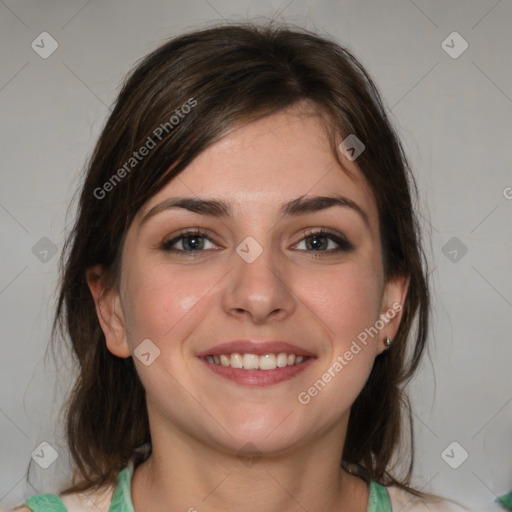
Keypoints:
pixel 255 362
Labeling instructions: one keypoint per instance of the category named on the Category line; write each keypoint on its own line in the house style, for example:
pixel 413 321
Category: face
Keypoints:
pixel 257 274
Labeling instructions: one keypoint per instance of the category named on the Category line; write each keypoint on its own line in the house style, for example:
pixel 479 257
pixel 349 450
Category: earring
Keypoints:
pixel 387 342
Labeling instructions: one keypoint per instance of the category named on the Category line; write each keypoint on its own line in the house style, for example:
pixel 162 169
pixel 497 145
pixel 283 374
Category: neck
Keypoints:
pixel 184 474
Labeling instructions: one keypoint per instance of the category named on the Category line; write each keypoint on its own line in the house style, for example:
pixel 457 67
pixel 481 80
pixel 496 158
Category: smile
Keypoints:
pixel 256 362
pixel 254 370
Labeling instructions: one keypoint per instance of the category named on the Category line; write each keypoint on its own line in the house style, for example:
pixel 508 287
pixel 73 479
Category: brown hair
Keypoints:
pixel 230 74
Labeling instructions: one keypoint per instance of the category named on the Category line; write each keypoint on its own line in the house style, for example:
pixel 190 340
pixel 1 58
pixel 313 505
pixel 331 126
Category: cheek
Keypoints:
pixel 346 300
pixel 147 307
pixel 346 304
pixel 163 304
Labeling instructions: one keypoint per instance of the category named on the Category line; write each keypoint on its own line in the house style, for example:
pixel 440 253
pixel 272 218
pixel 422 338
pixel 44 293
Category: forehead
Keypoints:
pixel 261 165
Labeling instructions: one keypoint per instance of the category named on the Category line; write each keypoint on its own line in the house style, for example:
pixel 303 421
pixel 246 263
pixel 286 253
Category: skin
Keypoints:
pixel 200 421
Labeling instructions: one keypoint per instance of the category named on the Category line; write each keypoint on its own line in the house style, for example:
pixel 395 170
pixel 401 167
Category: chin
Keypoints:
pixel 269 436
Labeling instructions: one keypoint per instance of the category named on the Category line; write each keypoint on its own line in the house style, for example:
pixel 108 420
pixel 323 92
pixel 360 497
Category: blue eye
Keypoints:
pixel 317 241
pixel 192 238
pixel 195 241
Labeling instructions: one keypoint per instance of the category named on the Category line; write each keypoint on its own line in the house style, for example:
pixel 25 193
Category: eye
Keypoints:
pixel 319 241
pixel 189 241
pixel 196 241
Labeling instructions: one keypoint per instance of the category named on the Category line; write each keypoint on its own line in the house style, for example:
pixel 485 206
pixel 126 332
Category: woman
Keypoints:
pixel 240 287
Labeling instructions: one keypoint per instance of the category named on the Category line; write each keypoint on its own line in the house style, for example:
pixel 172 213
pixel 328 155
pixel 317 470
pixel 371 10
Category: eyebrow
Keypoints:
pixel 220 208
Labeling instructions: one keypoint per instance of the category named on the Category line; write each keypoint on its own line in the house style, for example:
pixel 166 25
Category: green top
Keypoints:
pixel 122 500
pixel 505 501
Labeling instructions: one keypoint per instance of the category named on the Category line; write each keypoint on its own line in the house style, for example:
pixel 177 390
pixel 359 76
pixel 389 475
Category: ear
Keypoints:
pixel 392 307
pixel 109 311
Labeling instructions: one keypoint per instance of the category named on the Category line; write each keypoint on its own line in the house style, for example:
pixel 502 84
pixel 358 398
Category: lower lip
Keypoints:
pixel 258 377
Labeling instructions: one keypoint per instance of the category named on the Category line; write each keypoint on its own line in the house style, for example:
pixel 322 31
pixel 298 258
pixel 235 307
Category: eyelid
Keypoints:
pixel 320 231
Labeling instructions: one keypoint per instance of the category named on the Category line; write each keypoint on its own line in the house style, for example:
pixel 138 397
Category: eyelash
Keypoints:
pixel 344 244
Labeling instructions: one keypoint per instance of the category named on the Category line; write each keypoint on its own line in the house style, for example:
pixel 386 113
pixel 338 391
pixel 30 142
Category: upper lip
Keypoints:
pixel 255 347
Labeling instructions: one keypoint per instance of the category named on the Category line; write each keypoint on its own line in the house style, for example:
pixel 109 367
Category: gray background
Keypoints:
pixel 453 114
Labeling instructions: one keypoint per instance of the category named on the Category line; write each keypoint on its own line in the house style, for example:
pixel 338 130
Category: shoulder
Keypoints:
pixel 97 500
pixel 407 502
pixel 74 502
pixel 46 502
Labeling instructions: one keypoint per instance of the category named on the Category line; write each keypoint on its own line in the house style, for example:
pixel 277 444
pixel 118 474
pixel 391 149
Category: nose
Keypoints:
pixel 259 290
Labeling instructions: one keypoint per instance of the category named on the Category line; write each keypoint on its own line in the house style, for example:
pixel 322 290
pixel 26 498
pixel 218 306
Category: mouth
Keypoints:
pixel 251 376
pixel 256 364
